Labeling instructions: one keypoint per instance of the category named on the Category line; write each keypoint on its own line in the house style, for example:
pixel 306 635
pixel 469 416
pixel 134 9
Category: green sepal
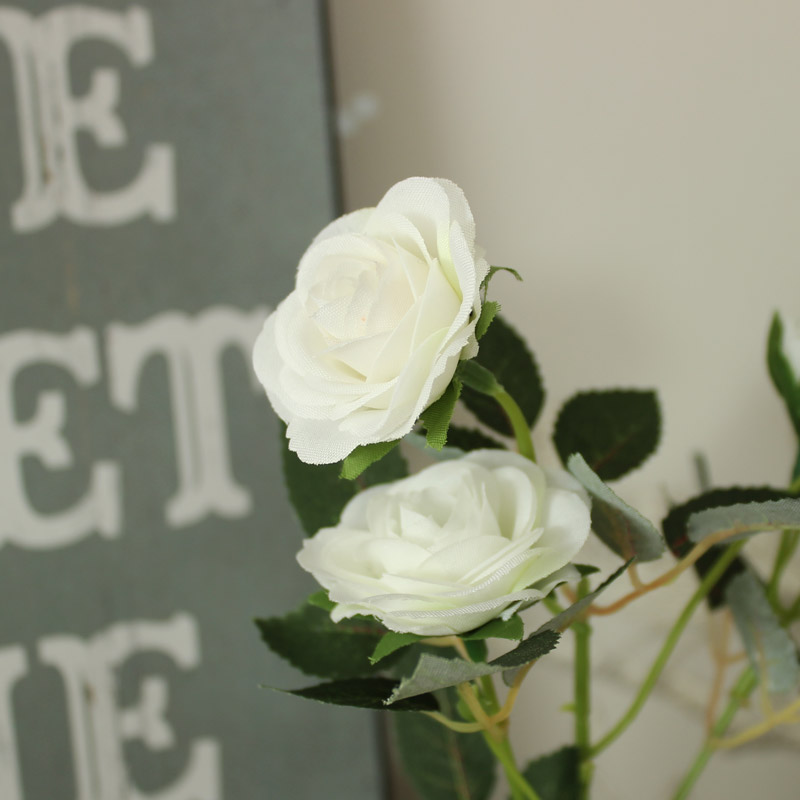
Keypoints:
pixel 310 641
pixel 556 776
pixel 489 311
pixel 621 527
pixel 391 467
pixel 772 653
pixel 436 417
pixel 511 628
pixel 443 764
pixel 494 270
pixel 391 642
pixel 364 456
pixel 504 353
pixel 615 431
pixel 476 376
pixel 364 693
pixel 321 600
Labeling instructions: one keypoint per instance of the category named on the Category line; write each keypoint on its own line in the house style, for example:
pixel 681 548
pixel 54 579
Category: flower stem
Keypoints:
pixel 520 788
pixel 522 431
pixel 712 576
pixel 739 694
pixel 582 685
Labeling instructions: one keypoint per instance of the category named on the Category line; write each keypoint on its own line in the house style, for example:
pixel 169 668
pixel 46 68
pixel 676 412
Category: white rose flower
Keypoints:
pixel 454 546
pixel 384 306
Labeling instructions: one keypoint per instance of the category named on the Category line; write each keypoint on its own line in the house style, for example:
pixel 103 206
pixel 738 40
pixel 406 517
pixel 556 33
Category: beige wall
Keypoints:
pixel 639 163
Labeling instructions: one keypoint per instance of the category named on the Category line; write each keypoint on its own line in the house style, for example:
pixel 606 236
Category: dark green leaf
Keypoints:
pixel 365 693
pixel 676 530
pixel 364 456
pixel 443 764
pixel 467 439
pixel 488 313
pixel 619 526
pixel 771 651
pixel 436 417
pixel 505 354
pixel 556 776
pixel 535 646
pixel 615 431
pixel 316 491
pixel 477 649
pixel 310 641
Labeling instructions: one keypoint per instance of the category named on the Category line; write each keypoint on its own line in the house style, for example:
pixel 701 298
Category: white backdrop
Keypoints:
pixel 639 163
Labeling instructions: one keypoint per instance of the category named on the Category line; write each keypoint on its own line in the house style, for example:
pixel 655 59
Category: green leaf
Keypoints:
pixel 316 491
pixel 504 353
pixel 535 646
pixel 364 693
pixel 615 431
pixel 436 417
pixel 467 439
pixel 435 672
pixel 676 530
pixel 310 641
pixel 443 764
pixel 745 518
pixel 781 372
pixel 772 653
pixel 364 456
pixel 618 525
pixel 488 313
pixel 392 642
pixel 556 776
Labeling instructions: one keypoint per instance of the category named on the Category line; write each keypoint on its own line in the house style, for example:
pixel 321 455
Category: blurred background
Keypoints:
pixel 165 165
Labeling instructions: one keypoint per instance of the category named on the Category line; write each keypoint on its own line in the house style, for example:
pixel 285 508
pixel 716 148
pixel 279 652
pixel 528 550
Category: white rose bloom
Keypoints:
pixel 454 546
pixel 384 306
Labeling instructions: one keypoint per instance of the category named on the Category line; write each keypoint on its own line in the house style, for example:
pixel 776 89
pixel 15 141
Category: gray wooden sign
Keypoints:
pixel 164 163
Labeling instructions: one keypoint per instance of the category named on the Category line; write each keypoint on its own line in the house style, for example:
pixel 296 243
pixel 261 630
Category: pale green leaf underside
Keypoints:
pixel 745 519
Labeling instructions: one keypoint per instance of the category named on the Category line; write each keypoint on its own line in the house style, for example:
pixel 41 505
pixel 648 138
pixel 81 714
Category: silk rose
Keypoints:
pixel 452 547
pixel 384 307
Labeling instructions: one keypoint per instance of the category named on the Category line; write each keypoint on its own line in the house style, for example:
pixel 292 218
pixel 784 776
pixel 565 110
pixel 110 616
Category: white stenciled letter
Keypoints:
pixel 41 437
pixel 51 117
pixel 13 665
pixel 99 728
pixel 192 348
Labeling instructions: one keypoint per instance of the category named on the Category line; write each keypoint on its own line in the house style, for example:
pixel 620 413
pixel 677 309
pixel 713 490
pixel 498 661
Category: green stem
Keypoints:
pixel 739 694
pixel 712 576
pixel 582 685
pixel 522 431
pixel 520 788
